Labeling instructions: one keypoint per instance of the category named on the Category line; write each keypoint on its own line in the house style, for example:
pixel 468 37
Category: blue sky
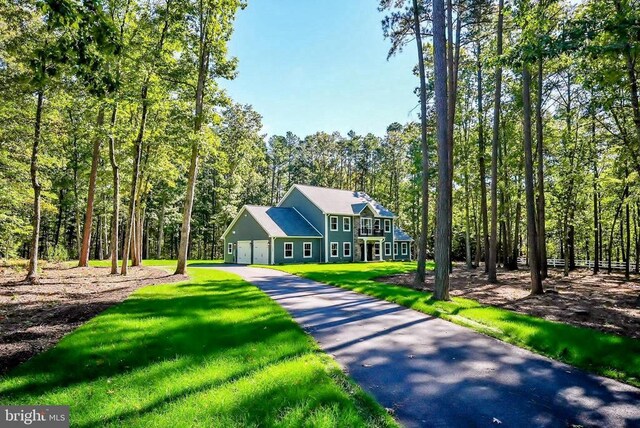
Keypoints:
pixel 320 65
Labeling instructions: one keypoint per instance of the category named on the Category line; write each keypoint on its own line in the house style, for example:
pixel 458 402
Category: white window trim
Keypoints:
pixel 404 248
pixel 331 223
pixel 395 248
pixel 387 226
pixel 285 250
pixel 346 245
pixel 376 249
pixel 387 248
pixel 376 221
pixel 310 250
pixel 230 248
pixel 331 250
pixel 346 221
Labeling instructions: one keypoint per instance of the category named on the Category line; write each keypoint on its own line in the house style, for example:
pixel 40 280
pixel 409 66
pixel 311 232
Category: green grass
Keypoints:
pixel 606 354
pixel 210 351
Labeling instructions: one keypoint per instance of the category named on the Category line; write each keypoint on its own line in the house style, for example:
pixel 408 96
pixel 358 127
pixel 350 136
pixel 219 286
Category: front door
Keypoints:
pixel 369 252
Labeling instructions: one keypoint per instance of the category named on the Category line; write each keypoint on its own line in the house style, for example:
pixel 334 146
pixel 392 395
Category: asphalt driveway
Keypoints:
pixel 431 372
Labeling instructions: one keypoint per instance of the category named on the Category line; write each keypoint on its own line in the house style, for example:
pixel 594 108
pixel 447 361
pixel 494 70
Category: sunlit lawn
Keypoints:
pixel 614 356
pixel 212 351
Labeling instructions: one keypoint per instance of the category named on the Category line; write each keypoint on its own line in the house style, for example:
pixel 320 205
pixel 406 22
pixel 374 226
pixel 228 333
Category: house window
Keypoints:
pixel 376 224
pixel 229 248
pixel 387 226
pixel 334 249
pixel 288 250
pixel 404 248
pixel 333 223
pixel 387 248
pixel 346 224
pixel 346 249
pixel 307 250
pixel 376 249
pixel 395 248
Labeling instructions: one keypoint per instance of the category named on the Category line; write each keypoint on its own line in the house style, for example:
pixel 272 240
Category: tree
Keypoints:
pixel 495 143
pixel 213 26
pixel 443 217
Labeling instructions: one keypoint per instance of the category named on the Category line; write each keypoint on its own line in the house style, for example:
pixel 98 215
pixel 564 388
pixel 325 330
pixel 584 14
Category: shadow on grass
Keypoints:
pixel 215 349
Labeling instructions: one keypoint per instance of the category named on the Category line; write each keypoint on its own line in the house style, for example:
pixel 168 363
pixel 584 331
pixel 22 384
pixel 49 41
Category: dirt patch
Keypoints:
pixel 603 302
pixel 33 318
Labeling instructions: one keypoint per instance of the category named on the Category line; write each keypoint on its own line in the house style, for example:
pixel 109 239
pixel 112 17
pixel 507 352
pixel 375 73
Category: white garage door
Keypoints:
pixel 244 252
pixel 261 252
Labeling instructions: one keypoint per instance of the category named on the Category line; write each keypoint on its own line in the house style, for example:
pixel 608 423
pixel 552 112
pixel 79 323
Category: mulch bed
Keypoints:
pixel 34 318
pixel 603 302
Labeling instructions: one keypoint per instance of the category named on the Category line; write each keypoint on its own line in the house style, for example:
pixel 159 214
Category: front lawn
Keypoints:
pixel 210 351
pixel 607 354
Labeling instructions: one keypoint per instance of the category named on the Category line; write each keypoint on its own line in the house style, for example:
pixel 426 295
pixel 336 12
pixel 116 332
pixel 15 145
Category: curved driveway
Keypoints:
pixel 431 372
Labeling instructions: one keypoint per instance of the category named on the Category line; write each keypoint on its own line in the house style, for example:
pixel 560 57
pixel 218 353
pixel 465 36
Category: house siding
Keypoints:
pixel 246 229
pixel 298 243
pixel 296 199
pixel 340 236
pixel 400 256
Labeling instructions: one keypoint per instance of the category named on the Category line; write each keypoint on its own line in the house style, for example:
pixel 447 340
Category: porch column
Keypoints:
pixel 365 250
pixel 380 248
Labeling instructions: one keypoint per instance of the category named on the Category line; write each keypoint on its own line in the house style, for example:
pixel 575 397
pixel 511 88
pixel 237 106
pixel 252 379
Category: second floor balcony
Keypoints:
pixel 370 231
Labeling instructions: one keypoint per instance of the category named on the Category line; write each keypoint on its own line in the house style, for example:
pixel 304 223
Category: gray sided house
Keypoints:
pixel 316 224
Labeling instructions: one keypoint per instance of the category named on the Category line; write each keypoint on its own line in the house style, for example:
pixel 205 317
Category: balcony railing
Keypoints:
pixel 369 231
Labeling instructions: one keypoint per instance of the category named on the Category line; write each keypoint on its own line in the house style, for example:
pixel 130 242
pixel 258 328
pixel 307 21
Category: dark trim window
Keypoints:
pixel 288 250
pixel 334 249
pixel 333 223
pixel 404 248
pixel 346 249
pixel 346 224
pixel 387 226
pixel 229 248
pixel 395 248
pixel 387 248
pixel 307 250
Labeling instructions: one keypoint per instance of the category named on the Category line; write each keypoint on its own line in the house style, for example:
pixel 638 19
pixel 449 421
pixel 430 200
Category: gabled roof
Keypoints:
pixel 343 202
pixel 400 235
pixel 281 222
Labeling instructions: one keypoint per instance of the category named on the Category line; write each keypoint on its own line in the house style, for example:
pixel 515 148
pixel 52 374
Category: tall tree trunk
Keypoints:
pixel 495 143
pixel 483 168
pixel 130 228
pixel 467 235
pixel 183 249
pixel 628 242
pixel 116 192
pixel 534 254
pixel 542 241
pixel 443 223
pixel 32 272
pixel 596 220
pixel 161 228
pixel 88 218
pixel 424 147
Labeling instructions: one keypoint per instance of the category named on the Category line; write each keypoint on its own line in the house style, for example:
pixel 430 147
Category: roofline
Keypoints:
pixel 304 194
pixel 305 219
pixel 235 220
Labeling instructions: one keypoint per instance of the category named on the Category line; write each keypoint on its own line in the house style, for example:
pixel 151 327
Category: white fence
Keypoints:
pixel 604 264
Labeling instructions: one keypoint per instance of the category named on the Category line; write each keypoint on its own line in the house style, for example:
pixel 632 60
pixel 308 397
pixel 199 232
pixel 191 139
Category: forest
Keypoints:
pixel 117 142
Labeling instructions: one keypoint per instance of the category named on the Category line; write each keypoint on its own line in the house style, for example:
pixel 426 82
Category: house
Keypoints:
pixel 316 224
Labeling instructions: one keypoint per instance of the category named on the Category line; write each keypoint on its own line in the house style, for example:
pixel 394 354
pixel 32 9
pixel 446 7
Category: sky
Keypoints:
pixel 320 65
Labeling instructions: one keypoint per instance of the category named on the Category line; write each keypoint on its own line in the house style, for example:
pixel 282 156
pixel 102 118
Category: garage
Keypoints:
pixel 261 252
pixel 244 252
